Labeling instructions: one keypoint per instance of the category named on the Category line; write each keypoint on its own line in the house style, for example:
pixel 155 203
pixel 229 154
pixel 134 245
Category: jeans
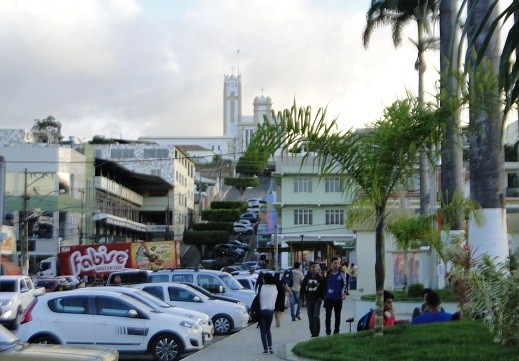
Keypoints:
pixel 336 306
pixel 314 309
pixel 294 300
pixel 264 326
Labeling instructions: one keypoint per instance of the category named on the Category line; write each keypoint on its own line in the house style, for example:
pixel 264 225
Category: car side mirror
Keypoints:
pixel 24 289
pixel 197 299
pixel 133 313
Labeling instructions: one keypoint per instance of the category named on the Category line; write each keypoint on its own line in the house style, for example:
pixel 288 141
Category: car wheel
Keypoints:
pixel 222 324
pixel 44 339
pixel 166 348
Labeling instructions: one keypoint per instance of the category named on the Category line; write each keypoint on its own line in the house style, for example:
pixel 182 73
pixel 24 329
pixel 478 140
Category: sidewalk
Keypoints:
pixel 245 345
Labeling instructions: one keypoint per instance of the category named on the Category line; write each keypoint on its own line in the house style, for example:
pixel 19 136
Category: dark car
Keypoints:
pixel 228 250
pixel 250 216
pixel 239 244
pixel 51 284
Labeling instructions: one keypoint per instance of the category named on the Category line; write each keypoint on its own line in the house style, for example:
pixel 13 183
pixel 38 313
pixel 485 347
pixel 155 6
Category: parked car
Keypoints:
pixel 216 282
pixel 226 316
pixel 228 250
pixel 51 284
pixel 205 321
pixel 11 348
pixel 73 282
pixel 242 228
pixel 128 276
pixel 250 216
pixel 251 264
pixel 111 319
pixel 246 279
pixel 214 296
pixel 16 294
pixel 254 201
pixel 239 244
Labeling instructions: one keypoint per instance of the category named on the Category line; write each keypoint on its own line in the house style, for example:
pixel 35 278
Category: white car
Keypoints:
pixel 246 279
pixel 226 315
pixel 16 294
pixel 110 320
pixel 240 227
pixel 205 321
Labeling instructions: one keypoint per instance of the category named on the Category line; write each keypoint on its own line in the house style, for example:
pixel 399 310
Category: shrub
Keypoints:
pixel 213 226
pixel 221 215
pixel 241 205
pixel 415 290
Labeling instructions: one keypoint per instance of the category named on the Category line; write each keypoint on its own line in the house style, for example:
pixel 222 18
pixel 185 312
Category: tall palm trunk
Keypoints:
pixel 486 152
pixel 380 268
pixel 452 177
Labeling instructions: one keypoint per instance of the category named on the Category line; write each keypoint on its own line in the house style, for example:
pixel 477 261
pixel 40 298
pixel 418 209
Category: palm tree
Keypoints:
pixel 452 177
pixel 486 153
pixel 399 13
pixel 375 161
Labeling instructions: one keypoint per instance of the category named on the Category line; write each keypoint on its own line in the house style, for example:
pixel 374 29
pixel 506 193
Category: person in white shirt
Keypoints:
pixel 268 294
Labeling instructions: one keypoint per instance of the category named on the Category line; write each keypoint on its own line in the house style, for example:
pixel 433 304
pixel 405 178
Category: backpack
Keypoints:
pixel 288 278
pixel 363 323
pixel 255 310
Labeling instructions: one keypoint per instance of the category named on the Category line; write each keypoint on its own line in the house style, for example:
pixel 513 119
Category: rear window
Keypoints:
pixel 73 304
pixel 7 286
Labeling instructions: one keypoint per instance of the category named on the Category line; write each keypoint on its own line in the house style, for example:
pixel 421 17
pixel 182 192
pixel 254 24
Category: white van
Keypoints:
pixel 214 281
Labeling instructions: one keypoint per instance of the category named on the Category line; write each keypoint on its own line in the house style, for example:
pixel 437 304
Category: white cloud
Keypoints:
pixel 135 68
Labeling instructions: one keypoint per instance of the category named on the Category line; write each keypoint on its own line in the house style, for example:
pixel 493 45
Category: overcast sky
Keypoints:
pixel 145 68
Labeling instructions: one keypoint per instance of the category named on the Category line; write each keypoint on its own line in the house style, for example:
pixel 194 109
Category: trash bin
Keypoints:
pixel 353 283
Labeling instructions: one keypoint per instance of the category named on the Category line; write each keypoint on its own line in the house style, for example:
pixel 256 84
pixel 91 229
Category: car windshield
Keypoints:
pixel 231 282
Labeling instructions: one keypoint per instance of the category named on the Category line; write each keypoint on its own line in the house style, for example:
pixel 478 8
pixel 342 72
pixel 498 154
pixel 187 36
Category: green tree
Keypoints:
pixel 374 161
pixel 241 183
pixel 397 14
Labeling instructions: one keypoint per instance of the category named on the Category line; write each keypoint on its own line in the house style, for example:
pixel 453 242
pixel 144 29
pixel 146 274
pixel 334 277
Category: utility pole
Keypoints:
pixel 82 190
pixel 25 239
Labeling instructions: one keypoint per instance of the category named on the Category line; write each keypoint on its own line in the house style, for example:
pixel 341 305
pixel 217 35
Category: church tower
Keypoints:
pixel 232 115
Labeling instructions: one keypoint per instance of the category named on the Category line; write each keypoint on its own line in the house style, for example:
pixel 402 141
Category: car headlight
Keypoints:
pixel 241 310
pixel 6 302
pixel 241 303
pixel 188 324
pixel 195 318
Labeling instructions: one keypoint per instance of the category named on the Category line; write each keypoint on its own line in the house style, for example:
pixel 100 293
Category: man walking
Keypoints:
pixel 297 280
pixel 312 290
pixel 335 294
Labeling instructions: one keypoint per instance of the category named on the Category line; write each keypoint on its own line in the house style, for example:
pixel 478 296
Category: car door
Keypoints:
pixel 210 282
pixel 183 297
pixel 72 320
pixel 115 327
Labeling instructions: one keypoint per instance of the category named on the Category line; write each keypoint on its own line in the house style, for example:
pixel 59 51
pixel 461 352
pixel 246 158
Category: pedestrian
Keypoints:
pixel 312 290
pixel 335 294
pixel 280 300
pixel 259 282
pixel 297 279
pixel 347 272
pixel 268 293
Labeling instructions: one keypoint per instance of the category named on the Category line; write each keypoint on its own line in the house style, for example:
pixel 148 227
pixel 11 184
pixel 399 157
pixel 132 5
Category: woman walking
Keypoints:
pixel 268 294
pixel 283 289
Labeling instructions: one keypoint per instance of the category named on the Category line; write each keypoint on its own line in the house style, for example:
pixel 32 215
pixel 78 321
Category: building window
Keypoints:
pixel 332 185
pixel 302 185
pixel 334 216
pixel 121 153
pixel 160 153
pixel 303 217
pixel 155 172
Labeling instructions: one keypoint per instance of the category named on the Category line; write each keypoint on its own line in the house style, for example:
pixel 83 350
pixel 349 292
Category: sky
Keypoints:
pixel 130 68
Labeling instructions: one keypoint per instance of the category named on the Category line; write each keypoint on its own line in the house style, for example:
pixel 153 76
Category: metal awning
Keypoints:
pixel 119 222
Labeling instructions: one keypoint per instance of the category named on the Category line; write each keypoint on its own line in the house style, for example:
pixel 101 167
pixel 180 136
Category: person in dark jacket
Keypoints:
pixel 312 290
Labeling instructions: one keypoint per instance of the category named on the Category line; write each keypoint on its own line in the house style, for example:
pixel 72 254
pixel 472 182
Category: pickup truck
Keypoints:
pixel 16 294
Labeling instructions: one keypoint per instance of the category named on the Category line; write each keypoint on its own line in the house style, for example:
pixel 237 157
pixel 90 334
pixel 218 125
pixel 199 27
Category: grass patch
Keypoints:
pixel 446 295
pixel 448 341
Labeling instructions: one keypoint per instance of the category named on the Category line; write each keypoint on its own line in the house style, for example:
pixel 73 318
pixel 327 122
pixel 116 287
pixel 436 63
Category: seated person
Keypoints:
pixel 433 312
pixel 389 320
pixel 418 310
